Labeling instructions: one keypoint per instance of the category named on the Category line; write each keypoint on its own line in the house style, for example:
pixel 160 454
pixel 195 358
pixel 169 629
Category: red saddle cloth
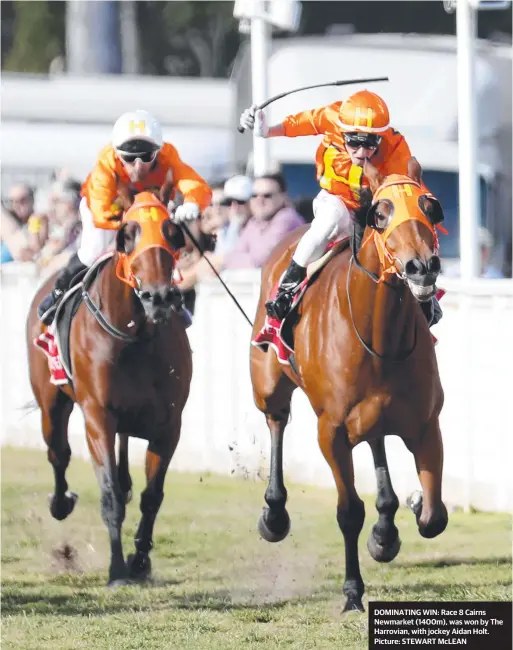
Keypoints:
pixel 46 341
pixel 271 333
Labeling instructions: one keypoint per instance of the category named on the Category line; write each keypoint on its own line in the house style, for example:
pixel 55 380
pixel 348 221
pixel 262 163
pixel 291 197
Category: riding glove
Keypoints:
pixel 186 212
pixel 254 119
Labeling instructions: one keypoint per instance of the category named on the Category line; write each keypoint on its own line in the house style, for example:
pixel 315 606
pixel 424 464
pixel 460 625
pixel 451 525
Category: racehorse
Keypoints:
pixel 132 369
pixel 365 358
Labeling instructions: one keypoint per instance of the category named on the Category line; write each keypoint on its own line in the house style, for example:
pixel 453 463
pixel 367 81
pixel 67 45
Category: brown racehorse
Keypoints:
pixel 132 380
pixel 366 361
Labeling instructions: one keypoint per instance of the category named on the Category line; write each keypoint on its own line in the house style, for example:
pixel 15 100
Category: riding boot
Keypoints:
pixel 432 311
pixel 280 306
pixel 48 306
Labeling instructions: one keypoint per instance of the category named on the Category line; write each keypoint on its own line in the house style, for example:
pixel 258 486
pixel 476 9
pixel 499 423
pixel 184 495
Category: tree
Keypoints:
pixel 188 38
pixel 38 36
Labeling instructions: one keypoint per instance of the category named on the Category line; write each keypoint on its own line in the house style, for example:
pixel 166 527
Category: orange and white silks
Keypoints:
pixel 335 171
pixel 404 194
pixel 152 217
pixel 100 187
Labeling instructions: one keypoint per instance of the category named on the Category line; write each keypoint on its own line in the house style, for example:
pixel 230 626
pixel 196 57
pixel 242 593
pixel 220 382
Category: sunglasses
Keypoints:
pixel 143 157
pixel 265 195
pixel 365 140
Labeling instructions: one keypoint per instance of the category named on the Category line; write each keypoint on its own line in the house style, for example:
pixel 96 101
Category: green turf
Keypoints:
pixel 216 584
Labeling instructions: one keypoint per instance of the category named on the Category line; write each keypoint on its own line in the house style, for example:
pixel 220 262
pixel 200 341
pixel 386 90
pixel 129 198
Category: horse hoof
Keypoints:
pixel 280 526
pixel 139 566
pixel 382 553
pixel 414 502
pixel 353 605
pixel 62 508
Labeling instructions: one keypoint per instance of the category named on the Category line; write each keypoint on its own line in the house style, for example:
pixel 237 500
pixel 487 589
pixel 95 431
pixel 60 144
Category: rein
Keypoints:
pixel 95 309
pixel 382 357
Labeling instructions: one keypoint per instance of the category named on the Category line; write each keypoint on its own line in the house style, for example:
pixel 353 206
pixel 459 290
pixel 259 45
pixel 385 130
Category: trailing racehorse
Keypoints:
pixel 131 372
pixel 365 358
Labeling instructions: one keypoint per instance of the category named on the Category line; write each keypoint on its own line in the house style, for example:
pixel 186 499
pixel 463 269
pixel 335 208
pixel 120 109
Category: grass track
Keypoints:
pixel 216 584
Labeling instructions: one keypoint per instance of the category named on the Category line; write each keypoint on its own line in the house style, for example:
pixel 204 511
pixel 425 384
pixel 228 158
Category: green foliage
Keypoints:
pixel 38 36
pixel 188 38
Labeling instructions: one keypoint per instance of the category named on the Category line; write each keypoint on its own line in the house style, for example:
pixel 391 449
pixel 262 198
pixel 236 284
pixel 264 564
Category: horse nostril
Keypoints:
pixel 145 295
pixel 157 299
pixel 414 267
pixel 434 265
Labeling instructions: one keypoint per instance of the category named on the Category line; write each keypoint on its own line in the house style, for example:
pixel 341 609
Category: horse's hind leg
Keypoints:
pixel 124 478
pixel 56 408
pixel 429 510
pixel 158 457
pixel 383 542
pixel 350 508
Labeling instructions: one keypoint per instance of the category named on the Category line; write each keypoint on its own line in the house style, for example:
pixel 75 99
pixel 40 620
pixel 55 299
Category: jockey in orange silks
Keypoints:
pixel 139 158
pixel 353 130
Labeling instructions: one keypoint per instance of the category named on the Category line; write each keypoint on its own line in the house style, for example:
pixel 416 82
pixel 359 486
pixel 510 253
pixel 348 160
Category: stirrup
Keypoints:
pixel 279 308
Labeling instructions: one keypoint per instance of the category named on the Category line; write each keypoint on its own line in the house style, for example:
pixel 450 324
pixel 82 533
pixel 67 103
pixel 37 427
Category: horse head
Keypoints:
pixel 148 243
pixel 403 218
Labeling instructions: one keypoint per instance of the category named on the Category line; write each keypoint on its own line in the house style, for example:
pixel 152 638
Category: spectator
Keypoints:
pixel 65 226
pixel 486 268
pixel 237 194
pixel 272 218
pixel 23 232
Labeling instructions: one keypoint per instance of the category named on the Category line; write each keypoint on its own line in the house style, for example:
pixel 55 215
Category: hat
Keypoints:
pixel 238 188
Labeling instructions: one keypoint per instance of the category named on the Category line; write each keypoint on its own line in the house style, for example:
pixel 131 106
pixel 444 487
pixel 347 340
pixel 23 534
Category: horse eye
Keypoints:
pixel 383 214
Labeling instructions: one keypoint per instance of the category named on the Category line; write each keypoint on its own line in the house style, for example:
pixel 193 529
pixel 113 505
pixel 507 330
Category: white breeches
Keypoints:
pixel 332 220
pixel 95 241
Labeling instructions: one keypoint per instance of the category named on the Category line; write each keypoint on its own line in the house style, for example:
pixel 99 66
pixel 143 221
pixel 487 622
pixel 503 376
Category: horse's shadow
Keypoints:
pixel 452 561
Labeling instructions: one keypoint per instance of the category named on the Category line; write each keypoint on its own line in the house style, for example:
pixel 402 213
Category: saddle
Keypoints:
pixel 280 334
pixel 55 340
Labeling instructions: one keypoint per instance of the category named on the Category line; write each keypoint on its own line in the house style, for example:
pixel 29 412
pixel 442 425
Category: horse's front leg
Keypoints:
pixel 158 456
pixel 428 507
pixel 101 436
pixel 125 480
pixel 383 542
pixel 56 408
pixel 274 522
pixel 350 508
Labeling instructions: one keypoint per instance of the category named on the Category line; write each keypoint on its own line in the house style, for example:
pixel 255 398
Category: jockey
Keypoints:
pixel 139 158
pixel 355 129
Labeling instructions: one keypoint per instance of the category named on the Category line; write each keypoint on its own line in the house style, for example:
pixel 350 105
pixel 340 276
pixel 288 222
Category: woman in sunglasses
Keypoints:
pixel 138 158
pixel 355 129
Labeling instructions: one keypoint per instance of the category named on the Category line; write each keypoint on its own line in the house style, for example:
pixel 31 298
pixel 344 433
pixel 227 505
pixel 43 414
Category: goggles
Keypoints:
pixel 147 157
pixel 365 140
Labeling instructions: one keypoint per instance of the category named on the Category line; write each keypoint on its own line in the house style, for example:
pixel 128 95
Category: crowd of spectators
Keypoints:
pixel 43 226
pixel 246 219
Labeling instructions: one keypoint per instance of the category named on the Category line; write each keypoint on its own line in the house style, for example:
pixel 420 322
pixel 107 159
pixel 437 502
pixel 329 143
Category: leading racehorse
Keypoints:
pixel 131 373
pixel 365 359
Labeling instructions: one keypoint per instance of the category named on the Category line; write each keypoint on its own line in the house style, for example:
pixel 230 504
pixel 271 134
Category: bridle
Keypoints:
pixel 388 262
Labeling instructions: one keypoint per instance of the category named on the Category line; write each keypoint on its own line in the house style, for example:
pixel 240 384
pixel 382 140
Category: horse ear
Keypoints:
pixel 167 188
pixel 125 197
pixel 372 174
pixel 127 236
pixel 414 169
pixel 173 234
